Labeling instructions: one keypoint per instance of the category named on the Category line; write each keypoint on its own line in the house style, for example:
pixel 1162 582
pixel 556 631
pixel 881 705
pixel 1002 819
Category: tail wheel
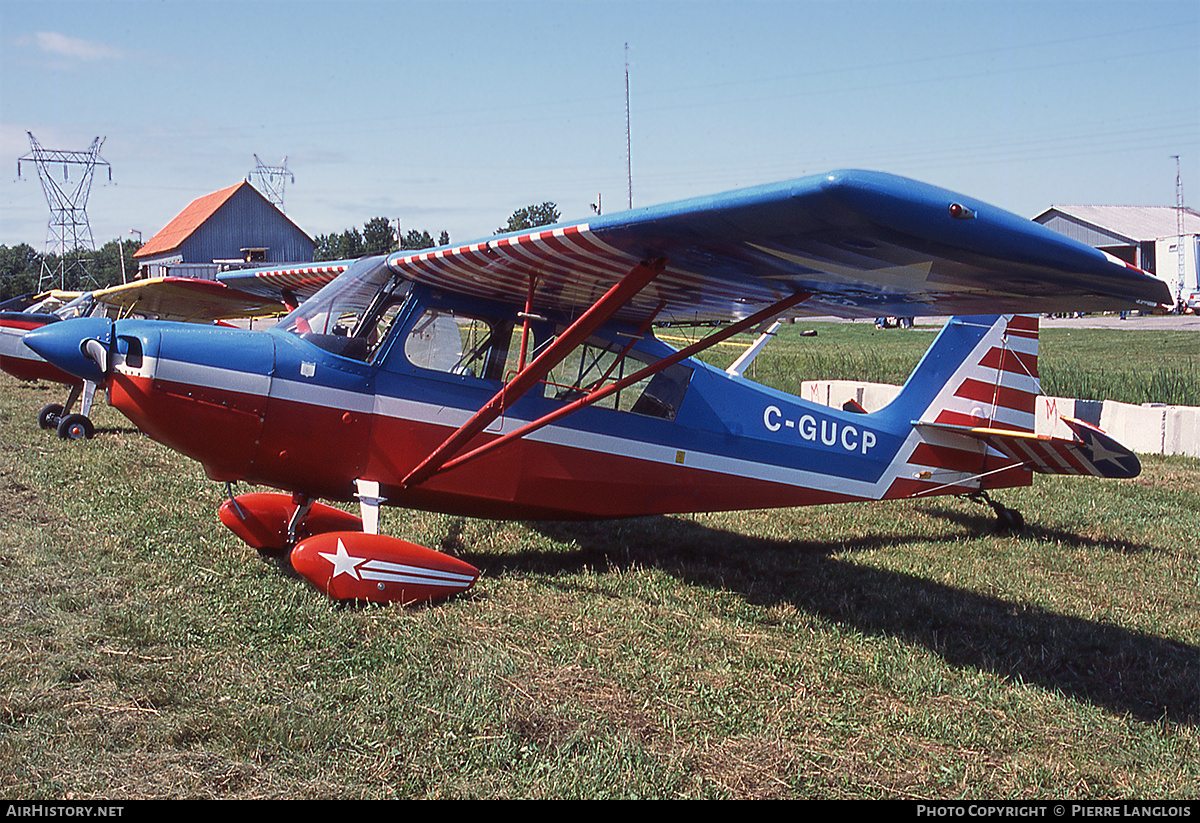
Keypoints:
pixel 75 427
pixel 49 416
pixel 1010 520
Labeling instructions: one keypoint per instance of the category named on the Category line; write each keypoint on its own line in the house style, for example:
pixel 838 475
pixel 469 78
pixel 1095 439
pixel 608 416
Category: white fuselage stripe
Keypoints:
pixel 298 391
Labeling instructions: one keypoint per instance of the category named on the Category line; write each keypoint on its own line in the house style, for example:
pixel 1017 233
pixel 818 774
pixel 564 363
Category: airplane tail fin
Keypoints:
pixel 972 401
pixel 979 375
pixel 979 372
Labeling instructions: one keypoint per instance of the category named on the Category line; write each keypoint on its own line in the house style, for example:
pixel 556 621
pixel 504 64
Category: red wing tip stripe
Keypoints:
pixel 551 232
pixel 441 254
pixel 304 270
pixel 485 246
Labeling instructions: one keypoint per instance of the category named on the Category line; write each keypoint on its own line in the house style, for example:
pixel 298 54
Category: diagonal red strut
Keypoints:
pixel 599 313
pixel 599 394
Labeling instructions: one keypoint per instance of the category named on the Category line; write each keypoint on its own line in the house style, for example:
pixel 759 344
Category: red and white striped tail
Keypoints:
pixel 996 385
pixel 978 431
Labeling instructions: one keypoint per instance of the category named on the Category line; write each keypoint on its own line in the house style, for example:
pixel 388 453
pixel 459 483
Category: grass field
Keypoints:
pixel 872 651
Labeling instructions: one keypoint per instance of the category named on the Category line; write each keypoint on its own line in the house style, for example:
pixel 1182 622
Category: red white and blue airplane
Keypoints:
pixel 520 376
pixel 183 299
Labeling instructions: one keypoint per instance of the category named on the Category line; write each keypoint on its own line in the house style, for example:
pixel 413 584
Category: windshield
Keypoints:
pixel 350 316
pixel 79 307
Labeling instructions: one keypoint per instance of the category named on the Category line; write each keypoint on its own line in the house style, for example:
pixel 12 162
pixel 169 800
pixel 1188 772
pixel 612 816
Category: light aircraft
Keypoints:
pixel 520 376
pixel 166 298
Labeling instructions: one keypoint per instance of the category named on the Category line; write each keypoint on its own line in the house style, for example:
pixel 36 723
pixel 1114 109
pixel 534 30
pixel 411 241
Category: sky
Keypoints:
pixel 450 115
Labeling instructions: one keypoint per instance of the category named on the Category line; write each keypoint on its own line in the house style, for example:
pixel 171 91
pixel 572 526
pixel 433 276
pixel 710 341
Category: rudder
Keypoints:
pixel 979 372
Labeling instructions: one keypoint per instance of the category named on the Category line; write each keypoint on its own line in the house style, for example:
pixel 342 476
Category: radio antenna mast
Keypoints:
pixel 68 234
pixel 628 144
pixel 1178 229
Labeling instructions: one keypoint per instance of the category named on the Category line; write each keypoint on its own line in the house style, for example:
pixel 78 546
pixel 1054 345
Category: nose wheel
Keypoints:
pixel 76 427
pixel 70 426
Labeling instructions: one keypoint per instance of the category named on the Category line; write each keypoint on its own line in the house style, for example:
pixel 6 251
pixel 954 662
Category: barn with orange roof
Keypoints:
pixel 230 227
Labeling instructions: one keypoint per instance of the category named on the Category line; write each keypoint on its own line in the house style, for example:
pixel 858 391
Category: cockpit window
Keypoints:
pixel 352 314
pixel 456 343
pixel 600 362
pixel 81 306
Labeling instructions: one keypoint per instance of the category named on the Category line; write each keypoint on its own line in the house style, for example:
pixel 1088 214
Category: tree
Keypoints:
pixel 19 258
pixel 350 245
pixel 417 240
pixel 20 267
pixel 105 268
pixel 378 237
pixel 531 217
pixel 333 246
pixel 325 247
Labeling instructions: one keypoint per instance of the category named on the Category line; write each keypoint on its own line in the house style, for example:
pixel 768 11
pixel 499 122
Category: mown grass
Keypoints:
pixel 895 650
pixel 1132 367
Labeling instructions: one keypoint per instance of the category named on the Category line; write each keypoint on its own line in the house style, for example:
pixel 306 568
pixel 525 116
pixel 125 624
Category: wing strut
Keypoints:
pixel 526 316
pixel 599 313
pixel 600 393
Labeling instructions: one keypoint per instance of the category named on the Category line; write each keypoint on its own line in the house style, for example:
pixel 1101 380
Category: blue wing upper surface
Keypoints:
pixel 862 244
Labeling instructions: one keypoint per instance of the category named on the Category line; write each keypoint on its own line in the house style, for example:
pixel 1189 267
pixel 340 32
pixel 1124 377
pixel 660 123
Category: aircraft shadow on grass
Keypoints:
pixel 1121 670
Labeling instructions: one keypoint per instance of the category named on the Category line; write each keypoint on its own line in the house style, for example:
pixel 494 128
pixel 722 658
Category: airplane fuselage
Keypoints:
pixel 277 409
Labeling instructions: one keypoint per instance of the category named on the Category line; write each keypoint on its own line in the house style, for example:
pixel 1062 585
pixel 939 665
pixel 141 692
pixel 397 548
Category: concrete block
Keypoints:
pixel 1181 431
pixel 871 396
pixel 1147 429
pixel 1048 414
pixel 1141 428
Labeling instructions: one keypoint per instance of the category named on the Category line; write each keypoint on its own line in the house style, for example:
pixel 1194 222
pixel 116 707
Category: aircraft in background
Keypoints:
pixel 520 376
pixel 289 283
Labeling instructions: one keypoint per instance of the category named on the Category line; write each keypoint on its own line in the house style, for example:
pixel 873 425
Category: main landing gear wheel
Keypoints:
pixel 49 416
pixel 1008 520
pixel 76 427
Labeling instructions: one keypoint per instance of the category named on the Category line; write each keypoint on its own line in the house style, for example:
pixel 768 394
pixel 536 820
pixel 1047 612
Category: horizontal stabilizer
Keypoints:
pixel 1092 452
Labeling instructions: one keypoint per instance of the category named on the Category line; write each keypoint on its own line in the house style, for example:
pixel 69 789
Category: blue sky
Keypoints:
pixel 449 115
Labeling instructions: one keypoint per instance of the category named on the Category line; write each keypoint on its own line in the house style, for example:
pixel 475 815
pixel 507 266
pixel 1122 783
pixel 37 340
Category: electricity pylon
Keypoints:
pixel 68 234
pixel 272 180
